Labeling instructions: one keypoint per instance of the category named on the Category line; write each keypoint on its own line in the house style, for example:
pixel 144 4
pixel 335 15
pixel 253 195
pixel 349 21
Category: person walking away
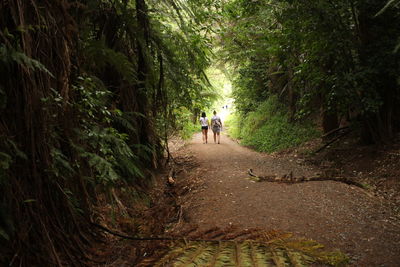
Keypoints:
pixel 204 127
pixel 216 126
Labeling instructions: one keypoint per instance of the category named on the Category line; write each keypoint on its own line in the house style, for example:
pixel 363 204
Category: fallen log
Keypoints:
pixel 290 179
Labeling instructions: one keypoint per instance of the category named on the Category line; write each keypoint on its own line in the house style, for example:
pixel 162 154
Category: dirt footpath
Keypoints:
pixel 332 213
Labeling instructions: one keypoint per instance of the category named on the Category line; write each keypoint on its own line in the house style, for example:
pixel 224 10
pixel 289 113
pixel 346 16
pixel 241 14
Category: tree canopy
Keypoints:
pixel 336 58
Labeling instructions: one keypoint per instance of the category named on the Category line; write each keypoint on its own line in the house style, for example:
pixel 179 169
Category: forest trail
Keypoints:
pixel 332 213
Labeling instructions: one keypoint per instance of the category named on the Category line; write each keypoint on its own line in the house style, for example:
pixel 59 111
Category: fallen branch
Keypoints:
pixel 290 179
pixel 269 178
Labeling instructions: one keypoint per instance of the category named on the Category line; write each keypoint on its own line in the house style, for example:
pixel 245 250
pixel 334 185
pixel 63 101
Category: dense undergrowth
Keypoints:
pixel 185 126
pixel 269 129
pixel 334 61
pixel 89 93
pixel 188 129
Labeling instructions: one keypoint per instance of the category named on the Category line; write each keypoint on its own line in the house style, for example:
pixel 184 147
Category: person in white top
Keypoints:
pixel 216 126
pixel 204 127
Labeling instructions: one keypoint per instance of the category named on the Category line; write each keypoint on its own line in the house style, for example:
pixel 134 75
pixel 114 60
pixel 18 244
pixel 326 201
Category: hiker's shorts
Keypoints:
pixel 216 129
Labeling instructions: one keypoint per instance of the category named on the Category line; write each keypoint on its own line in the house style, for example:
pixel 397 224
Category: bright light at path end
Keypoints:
pixel 225 110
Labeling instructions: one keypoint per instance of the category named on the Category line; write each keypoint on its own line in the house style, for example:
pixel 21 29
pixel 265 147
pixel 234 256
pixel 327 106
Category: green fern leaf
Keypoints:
pixel 171 255
pixel 279 259
pixel 101 55
pixel 298 260
pixel 103 167
pixel 279 251
pixel 11 56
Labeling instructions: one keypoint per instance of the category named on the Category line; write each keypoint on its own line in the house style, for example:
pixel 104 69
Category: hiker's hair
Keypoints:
pixel 215 112
pixel 203 114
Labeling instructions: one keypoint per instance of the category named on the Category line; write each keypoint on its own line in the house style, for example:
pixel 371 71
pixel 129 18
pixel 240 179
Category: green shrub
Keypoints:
pixel 188 129
pixel 232 124
pixel 268 128
pixel 184 123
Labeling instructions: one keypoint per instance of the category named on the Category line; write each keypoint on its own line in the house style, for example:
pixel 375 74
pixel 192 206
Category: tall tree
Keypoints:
pixel 79 81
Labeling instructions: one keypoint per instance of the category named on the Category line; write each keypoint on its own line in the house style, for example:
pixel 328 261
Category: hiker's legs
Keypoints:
pixel 218 137
pixel 203 134
pixel 215 137
pixel 206 134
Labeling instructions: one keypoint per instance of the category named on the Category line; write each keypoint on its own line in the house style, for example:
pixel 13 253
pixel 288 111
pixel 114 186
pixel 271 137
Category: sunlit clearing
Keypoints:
pixel 220 81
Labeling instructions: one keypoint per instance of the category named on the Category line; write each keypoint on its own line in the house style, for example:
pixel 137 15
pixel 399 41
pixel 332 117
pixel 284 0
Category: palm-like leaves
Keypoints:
pixel 266 249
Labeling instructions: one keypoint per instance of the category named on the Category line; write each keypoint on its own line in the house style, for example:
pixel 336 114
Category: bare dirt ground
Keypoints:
pixel 335 214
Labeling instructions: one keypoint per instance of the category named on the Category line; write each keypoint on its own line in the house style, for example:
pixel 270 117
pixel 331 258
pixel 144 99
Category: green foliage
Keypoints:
pixel 105 148
pixel 99 56
pixel 91 103
pixel 233 125
pixel 331 56
pixel 10 56
pixel 186 52
pixel 188 129
pixel 281 251
pixel 118 66
pixel 184 123
pixel 175 49
pixel 61 165
pixel 268 128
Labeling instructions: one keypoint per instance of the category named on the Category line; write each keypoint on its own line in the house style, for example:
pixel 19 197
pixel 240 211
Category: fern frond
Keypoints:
pixel 252 255
pixel 205 257
pixel 104 168
pixel 61 165
pixel 279 252
pixel 124 122
pixel 171 255
pixel 225 257
pixel 279 259
pixel 262 255
pixel 217 252
pixel 101 55
pixel 246 258
pixel 298 260
pixel 195 254
pixel 10 56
